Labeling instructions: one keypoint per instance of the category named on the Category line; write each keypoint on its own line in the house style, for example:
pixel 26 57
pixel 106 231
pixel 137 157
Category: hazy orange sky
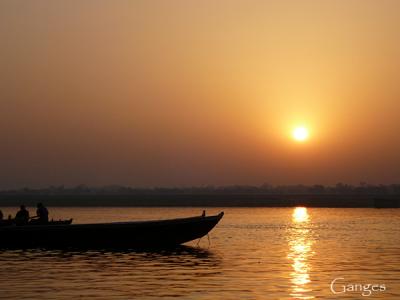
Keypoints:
pixel 177 93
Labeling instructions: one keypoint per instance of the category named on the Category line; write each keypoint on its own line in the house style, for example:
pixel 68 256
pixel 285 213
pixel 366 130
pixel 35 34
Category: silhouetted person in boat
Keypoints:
pixel 1 215
pixel 42 214
pixel 22 216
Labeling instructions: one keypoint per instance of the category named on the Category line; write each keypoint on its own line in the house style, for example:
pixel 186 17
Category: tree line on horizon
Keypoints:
pixel 317 189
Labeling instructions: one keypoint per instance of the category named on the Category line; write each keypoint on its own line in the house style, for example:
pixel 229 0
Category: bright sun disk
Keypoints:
pixel 300 134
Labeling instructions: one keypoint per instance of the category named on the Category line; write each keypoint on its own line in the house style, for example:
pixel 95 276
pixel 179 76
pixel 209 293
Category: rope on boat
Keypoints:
pixel 208 236
pixel 209 241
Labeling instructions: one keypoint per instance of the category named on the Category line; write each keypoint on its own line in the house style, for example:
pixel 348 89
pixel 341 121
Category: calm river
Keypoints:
pixel 254 253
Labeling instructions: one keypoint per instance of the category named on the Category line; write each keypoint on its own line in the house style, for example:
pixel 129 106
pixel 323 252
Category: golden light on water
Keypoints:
pixel 300 251
pixel 300 214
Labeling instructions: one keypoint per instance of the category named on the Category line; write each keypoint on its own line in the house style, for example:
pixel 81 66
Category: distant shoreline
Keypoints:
pixel 204 200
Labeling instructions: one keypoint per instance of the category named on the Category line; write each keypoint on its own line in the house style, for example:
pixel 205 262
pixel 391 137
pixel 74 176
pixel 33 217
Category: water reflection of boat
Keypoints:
pixel 141 234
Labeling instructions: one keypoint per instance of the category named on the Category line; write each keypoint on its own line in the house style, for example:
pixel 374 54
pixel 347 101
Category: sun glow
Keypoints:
pixel 300 134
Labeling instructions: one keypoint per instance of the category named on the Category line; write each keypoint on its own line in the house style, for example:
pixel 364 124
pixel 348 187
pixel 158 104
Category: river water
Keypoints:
pixel 253 253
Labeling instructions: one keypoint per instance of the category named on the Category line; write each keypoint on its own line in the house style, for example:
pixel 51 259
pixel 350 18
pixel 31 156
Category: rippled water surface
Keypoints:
pixel 254 253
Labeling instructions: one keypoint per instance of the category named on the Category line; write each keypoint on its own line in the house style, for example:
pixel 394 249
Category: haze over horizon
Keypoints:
pixel 184 93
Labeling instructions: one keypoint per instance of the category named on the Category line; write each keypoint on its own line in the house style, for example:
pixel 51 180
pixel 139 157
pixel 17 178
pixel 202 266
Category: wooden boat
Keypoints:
pixel 141 234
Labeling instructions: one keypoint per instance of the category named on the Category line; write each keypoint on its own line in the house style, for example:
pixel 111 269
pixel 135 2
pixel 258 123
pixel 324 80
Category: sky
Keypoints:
pixel 181 93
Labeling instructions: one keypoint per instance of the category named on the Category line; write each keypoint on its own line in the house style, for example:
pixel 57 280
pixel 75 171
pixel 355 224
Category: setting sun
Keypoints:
pixel 300 134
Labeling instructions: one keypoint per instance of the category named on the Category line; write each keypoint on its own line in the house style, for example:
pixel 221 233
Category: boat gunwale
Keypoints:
pixel 160 222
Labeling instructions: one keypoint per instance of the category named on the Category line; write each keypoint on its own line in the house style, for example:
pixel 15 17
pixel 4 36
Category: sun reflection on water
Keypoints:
pixel 300 215
pixel 300 251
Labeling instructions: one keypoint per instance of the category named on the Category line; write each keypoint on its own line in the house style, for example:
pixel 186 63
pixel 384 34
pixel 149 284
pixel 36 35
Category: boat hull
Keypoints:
pixel 146 234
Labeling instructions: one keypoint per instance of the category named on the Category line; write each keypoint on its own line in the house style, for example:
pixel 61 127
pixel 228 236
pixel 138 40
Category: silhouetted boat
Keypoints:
pixel 140 234
pixel 6 223
pixel 52 222
pixel 11 222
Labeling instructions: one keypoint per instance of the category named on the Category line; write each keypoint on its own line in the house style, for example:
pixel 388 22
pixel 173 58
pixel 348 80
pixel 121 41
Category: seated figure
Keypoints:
pixel 22 216
pixel 42 214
